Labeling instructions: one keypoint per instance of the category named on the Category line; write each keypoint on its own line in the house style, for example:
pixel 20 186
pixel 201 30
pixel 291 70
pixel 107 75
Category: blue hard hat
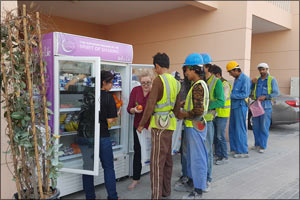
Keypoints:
pixel 193 59
pixel 206 58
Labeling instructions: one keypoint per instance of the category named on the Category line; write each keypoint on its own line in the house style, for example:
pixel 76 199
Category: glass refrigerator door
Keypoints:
pixel 77 107
pixel 135 70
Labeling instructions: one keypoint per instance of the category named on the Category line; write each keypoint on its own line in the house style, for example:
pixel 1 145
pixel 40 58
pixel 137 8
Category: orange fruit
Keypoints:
pixel 139 107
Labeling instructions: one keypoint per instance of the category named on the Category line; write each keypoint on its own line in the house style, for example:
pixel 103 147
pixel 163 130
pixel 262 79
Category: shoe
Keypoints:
pixel 193 195
pixel 165 197
pixel 261 150
pixel 133 185
pixel 182 179
pixel 254 148
pixel 232 153
pixel 221 161
pixel 208 186
pixel 183 187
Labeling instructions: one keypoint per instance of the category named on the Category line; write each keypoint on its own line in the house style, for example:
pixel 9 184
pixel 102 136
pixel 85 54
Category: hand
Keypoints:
pixel 139 129
pixel 182 104
pixel 254 80
pixel 137 110
pixel 182 115
pixel 119 112
pixel 261 98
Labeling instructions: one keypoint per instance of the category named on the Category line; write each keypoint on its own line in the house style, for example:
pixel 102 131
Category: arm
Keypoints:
pixel 275 90
pixel 244 90
pixel 112 115
pixel 157 88
pixel 226 90
pixel 219 96
pixel 74 80
pixel 131 104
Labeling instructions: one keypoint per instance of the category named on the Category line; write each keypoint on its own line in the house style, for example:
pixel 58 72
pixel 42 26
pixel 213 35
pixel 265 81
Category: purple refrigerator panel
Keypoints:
pixel 48 57
pixel 74 45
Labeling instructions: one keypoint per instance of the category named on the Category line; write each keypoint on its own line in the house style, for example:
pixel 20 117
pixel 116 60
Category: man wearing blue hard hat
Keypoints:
pixel 195 107
pixel 216 100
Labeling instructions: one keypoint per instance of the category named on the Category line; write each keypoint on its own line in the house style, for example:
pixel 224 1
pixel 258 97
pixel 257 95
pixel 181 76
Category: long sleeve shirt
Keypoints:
pixel 198 99
pixel 218 95
pixel 137 98
pixel 241 90
pixel 155 95
pixel 262 90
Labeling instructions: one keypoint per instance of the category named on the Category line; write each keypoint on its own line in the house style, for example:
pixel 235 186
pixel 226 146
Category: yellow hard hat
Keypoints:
pixel 232 65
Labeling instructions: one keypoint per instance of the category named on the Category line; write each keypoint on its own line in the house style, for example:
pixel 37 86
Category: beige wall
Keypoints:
pixel 280 50
pixel 221 33
pixel 60 24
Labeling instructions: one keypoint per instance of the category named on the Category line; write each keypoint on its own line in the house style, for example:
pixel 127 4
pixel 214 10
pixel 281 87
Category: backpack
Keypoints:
pixel 86 127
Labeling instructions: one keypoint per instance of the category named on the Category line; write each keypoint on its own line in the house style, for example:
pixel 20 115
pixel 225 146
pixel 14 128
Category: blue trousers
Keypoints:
pixel 107 162
pixel 209 147
pixel 220 142
pixel 183 153
pixel 261 125
pixel 196 157
pixel 238 130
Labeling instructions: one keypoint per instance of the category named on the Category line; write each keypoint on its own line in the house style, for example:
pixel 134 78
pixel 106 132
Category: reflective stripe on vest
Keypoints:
pixel 269 83
pixel 212 81
pixel 168 100
pixel 189 102
pixel 225 110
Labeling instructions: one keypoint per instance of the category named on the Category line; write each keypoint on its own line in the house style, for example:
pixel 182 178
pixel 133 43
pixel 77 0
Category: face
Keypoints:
pixel 107 85
pixel 263 71
pixel 146 83
pixel 218 75
pixel 188 73
pixel 205 70
pixel 233 73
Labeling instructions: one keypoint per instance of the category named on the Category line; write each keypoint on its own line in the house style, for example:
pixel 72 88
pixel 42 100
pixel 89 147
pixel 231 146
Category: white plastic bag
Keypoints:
pixel 176 138
pixel 145 142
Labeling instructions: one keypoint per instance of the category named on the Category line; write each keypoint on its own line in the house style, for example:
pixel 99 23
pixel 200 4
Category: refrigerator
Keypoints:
pixel 66 57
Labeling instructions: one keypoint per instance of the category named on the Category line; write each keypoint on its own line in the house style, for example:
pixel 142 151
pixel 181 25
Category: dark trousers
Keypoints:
pixel 137 163
pixel 107 161
pixel 161 163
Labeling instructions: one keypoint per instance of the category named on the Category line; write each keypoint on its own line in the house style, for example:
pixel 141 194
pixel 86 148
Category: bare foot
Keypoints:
pixel 133 184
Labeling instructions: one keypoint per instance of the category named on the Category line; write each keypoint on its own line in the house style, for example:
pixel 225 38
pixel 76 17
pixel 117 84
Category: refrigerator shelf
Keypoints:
pixel 115 89
pixel 68 133
pixel 69 109
pixel 114 127
pixel 63 158
pixel 117 147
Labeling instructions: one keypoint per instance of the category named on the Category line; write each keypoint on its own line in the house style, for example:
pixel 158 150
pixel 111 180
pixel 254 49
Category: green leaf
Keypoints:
pixel 17 115
pixel 49 103
pixel 49 111
pixel 27 118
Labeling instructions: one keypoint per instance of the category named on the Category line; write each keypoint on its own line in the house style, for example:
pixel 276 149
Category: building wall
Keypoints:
pixel 60 24
pixel 189 29
pixel 280 50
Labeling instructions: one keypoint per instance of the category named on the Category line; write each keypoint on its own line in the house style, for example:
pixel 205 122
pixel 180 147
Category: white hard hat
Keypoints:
pixel 263 65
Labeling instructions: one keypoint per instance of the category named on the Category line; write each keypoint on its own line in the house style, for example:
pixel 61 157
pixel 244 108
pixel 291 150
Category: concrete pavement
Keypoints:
pixel 271 175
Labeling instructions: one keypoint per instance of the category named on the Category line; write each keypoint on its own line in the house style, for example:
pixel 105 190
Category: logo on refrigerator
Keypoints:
pixel 68 45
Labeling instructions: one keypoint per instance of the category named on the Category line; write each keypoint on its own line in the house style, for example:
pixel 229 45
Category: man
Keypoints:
pixel 221 119
pixel 264 89
pixel 238 113
pixel 162 104
pixel 216 100
pixel 195 107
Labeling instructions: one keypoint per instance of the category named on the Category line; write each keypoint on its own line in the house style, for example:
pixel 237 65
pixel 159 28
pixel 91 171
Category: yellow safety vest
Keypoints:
pixel 189 102
pixel 225 110
pixel 165 106
pixel 212 81
pixel 269 83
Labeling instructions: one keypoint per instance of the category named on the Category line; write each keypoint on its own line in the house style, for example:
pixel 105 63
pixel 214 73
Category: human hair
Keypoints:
pixel 162 59
pixel 215 69
pixel 208 66
pixel 106 76
pixel 237 69
pixel 145 73
pixel 198 70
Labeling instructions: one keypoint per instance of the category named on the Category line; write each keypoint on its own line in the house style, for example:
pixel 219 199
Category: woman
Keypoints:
pixel 137 103
pixel 108 114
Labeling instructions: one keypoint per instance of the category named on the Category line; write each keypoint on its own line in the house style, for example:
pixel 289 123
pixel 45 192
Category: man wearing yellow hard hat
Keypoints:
pixel 238 113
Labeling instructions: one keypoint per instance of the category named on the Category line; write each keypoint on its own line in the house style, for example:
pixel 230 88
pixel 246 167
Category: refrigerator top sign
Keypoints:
pixel 75 45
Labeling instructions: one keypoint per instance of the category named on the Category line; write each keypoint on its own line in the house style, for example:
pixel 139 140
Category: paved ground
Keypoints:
pixel 272 175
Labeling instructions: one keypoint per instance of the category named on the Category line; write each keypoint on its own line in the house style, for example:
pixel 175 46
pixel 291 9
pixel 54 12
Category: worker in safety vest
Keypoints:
pixel 196 105
pixel 264 88
pixel 221 119
pixel 162 106
pixel 238 113
pixel 216 100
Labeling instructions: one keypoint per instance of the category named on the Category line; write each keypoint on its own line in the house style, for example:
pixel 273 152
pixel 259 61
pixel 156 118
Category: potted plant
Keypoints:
pixel 32 146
